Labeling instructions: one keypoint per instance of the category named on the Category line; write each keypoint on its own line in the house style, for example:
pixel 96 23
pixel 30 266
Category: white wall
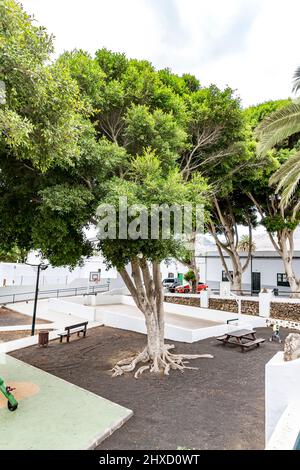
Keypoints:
pixel 21 274
pixel 282 380
pixel 268 267
pixel 78 310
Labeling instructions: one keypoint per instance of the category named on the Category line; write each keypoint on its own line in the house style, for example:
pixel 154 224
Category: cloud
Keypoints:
pixel 171 28
pixel 233 39
pixel 252 45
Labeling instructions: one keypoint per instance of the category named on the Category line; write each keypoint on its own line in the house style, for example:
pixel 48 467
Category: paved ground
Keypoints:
pixel 175 319
pixel 220 406
pixel 52 413
pixel 10 317
pixel 12 335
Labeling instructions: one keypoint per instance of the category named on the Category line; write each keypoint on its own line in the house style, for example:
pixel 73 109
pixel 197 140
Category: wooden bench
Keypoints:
pixel 222 338
pixel 242 338
pixel 252 343
pixel 72 329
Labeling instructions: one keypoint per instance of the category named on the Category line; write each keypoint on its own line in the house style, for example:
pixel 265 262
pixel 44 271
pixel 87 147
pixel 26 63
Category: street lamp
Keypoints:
pixel 251 269
pixel 40 267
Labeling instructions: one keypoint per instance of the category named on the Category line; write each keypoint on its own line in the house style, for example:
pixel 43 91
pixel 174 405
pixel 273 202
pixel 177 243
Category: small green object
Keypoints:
pixel 12 403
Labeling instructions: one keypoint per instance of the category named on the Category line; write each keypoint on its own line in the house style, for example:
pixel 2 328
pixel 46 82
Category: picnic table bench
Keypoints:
pixel 72 329
pixel 242 338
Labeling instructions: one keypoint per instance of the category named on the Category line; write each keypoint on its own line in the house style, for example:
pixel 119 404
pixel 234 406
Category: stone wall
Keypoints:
pixel 250 307
pixel 191 301
pixel 227 305
pixel 280 310
pixel 285 311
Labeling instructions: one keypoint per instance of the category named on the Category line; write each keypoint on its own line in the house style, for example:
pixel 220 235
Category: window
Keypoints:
pixel 224 276
pixel 282 280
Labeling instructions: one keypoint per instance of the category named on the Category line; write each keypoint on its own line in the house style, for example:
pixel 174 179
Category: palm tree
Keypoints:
pixel 277 127
pixel 296 86
pixel 244 244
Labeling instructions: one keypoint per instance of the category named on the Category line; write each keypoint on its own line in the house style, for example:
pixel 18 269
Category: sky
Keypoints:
pixel 250 45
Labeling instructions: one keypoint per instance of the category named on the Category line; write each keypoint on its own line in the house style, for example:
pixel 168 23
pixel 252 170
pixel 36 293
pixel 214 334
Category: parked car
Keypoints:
pixel 186 289
pixel 201 286
pixel 168 281
pixel 173 286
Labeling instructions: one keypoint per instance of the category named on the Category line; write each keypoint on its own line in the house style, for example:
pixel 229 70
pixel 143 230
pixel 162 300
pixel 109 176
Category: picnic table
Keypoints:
pixel 243 338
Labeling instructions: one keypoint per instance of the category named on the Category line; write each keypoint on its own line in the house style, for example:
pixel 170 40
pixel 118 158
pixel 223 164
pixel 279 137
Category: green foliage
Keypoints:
pixel 38 120
pixel 256 114
pixel 277 223
pixel 113 64
pixel 157 130
pixel 85 129
pixel 146 184
pixel 190 276
pixel 277 127
pixel 64 198
pixel 88 75
pixel 287 179
pixel 277 168
pixel 15 255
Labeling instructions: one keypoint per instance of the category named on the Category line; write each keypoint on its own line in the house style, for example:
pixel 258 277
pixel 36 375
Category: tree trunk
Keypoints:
pixel 285 240
pixel 147 291
pixel 237 283
pixel 237 269
pixel 285 244
pixel 192 263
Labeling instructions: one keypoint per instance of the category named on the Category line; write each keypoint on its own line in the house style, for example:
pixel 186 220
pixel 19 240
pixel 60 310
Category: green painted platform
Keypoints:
pixel 59 416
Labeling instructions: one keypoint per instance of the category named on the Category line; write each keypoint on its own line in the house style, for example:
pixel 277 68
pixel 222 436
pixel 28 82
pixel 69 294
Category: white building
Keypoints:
pixel 265 268
pixel 19 274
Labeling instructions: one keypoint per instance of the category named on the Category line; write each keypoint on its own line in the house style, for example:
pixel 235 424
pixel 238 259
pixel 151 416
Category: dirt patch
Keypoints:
pixel 219 406
pixel 6 336
pixel 10 317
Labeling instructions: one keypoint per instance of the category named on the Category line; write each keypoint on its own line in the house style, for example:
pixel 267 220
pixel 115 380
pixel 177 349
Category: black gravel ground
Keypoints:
pixel 219 406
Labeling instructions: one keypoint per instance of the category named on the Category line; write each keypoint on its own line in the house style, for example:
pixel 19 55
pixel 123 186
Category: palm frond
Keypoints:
pixel 287 179
pixel 277 127
pixel 296 79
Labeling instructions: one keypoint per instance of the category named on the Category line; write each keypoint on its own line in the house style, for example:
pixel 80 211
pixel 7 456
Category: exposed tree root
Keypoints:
pixel 161 363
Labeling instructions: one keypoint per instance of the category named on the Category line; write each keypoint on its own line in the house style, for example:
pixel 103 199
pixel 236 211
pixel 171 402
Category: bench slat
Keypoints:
pixel 221 338
pixel 75 330
pixel 251 343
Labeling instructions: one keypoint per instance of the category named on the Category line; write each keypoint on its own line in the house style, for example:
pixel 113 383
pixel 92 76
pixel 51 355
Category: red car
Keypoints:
pixel 186 289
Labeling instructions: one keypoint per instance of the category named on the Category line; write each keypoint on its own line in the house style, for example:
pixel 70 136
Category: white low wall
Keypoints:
pixel 286 433
pixel 135 323
pixel 102 299
pixel 214 315
pixel 72 308
pixel 282 388
pixel 122 321
pixel 125 321
pixel 176 333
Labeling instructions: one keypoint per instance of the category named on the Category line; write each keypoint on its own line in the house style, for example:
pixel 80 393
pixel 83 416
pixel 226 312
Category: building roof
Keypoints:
pixel 262 242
